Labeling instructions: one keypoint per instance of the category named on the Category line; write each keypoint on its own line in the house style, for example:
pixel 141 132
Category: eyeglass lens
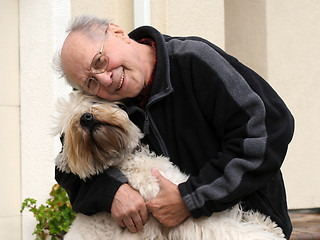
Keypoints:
pixel 99 63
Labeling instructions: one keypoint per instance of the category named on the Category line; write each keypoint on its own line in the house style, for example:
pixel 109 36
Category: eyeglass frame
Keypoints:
pixel 94 71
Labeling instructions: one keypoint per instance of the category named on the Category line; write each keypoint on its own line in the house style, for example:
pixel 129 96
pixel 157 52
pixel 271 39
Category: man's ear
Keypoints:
pixel 118 31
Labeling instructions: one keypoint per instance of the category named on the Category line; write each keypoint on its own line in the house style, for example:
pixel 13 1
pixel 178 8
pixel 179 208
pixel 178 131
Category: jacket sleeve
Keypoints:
pixel 92 195
pixel 253 126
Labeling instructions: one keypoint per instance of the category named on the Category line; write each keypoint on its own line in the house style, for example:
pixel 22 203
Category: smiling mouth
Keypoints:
pixel 121 80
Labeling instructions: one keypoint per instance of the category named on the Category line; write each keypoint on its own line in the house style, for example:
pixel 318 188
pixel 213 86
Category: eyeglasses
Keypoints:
pixel 98 65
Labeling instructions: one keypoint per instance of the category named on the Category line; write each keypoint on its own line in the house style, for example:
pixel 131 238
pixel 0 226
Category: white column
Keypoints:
pixel 42 27
pixel 141 13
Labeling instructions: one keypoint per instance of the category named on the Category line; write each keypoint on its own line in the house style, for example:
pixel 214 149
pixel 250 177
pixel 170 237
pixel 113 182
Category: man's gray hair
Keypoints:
pixel 90 26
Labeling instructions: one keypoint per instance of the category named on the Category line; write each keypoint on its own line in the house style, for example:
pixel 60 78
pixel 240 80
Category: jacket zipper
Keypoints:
pixel 149 124
pixel 146 125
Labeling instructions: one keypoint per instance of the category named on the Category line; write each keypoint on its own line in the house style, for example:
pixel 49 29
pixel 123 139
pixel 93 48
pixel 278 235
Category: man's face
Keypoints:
pixel 124 76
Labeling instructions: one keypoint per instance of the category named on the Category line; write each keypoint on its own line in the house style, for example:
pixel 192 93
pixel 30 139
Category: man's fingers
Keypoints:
pixel 144 214
pixel 130 225
pixel 121 224
pixel 129 209
pixel 138 222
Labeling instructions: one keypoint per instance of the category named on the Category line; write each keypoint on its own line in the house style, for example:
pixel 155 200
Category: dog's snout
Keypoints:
pixel 87 117
pixel 87 120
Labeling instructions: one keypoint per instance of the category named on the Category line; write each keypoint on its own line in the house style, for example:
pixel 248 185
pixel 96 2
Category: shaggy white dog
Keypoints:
pixel 99 134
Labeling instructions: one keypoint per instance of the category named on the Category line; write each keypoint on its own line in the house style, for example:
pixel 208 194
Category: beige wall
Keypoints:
pixel 119 11
pixel 42 27
pixel 294 69
pixel 280 40
pixel 246 33
pixel 10 220
pixel 195 17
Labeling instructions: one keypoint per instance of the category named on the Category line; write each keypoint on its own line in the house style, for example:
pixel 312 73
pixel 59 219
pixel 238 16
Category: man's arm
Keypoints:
pixel 109 192
pixel 92 195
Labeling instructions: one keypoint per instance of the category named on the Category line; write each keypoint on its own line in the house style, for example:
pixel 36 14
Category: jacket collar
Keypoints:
pixel 161 85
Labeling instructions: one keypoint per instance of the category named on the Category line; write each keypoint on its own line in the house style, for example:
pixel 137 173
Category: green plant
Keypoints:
pixel 54 218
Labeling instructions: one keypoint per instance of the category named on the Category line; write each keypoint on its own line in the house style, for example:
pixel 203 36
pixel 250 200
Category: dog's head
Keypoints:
pixel 97 134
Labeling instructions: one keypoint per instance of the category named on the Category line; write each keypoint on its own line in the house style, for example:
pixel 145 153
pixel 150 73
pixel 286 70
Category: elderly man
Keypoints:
pixel 215 118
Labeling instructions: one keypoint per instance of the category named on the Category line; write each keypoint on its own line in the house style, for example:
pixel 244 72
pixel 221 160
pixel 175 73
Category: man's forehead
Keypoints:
pixel 74 38
pixel 73 54
pixel 76 43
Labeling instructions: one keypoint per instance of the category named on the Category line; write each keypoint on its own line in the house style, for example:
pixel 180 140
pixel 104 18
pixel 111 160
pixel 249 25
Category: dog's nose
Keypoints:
pixel 87 120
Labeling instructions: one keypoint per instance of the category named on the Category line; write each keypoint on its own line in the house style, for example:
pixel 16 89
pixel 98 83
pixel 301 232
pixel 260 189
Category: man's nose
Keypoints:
pixel 104 78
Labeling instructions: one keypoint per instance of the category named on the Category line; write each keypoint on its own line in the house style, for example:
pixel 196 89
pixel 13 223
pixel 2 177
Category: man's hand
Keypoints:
pixel 129 209
pixel 168 206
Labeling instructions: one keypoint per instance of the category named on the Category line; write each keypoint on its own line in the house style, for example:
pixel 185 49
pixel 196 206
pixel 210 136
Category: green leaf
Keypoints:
pixel 54 218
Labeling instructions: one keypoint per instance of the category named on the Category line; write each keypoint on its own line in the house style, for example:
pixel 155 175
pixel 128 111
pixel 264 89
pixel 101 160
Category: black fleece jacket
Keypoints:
pixel 217 120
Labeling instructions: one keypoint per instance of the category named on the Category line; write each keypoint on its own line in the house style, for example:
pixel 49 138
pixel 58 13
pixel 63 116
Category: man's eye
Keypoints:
pixel 90 80
pixel 100 63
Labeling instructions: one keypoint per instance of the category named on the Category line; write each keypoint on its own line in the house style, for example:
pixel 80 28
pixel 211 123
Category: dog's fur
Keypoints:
pixel 99 134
